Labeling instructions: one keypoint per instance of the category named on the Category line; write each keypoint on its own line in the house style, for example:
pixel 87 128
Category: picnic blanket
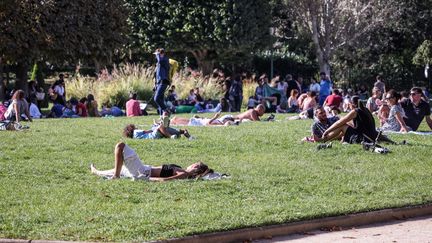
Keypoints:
pixel 125 174
pixel 423 133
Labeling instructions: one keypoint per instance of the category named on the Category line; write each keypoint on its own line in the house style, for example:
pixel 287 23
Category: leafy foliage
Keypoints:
pixel 209 30
pixel 60 31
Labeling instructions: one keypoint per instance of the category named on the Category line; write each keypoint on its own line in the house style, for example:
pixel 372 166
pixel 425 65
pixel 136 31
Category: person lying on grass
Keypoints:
pixel 157 132
pixel 357 126
pixel 128 163
pixel 252 115
pixel 226 120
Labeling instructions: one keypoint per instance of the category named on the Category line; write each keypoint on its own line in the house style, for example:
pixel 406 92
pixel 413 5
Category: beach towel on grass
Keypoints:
pixel 423 133
pixel 125 174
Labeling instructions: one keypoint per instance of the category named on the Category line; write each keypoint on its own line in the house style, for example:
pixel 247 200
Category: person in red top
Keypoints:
pixel 81 109
pixel 333 102
pixel 133 106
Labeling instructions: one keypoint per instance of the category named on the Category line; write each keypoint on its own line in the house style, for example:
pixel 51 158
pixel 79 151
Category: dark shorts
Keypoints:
pixel 352 136
pixel 168 170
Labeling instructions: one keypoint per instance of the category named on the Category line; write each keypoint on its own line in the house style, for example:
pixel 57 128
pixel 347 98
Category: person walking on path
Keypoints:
pixel 162 79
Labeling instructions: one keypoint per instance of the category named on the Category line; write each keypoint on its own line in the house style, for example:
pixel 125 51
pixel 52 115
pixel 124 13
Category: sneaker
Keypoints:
pixel 186 133
pixel 324 146
pixel 270 118
pixel 174 136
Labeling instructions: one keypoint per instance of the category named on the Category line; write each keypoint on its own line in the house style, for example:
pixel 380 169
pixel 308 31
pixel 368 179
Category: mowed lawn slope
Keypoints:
pixel 47 191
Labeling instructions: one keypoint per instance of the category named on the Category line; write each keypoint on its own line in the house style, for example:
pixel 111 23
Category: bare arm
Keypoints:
pixel 255 116
pixel 17 112
pixel 401 122
pixel 181 175
pixel 343 121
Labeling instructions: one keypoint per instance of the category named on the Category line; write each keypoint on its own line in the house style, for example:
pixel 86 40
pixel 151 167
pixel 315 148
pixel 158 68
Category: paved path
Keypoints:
pixel 411 230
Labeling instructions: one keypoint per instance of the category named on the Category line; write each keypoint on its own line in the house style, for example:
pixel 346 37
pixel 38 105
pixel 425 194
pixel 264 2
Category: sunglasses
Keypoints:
pixel 387 98
pixel 413 93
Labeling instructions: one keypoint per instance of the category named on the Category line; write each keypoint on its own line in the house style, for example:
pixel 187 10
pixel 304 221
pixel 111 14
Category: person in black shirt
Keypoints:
pixel 416 108
pixel 363 129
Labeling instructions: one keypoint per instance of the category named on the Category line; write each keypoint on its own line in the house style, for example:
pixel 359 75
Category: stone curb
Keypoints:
pixel 241 235
pixel 265 232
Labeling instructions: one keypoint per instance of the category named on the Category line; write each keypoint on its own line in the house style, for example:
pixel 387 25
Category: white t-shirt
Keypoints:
pixel 34 111
pixel 22 106
pixel 133 167
pixel 59 90
pixel 198 121
pixel 315 87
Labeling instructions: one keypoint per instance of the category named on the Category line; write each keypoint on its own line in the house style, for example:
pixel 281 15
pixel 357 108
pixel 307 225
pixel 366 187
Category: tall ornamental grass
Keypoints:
pixel 115 87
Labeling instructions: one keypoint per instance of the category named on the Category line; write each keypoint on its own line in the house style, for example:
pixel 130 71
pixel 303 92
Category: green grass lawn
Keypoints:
pixel 47 191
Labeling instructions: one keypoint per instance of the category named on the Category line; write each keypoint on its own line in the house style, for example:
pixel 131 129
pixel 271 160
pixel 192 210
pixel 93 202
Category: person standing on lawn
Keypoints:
pixel 162 79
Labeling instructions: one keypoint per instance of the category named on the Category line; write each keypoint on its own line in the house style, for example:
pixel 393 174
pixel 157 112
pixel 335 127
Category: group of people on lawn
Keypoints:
pixel 395 114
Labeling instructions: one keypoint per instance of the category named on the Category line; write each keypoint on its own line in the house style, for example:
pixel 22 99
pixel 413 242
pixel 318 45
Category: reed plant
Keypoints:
pixel 114 87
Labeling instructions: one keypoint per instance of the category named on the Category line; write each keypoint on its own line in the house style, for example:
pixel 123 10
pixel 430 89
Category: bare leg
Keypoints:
pixel 179 121
pixel 118 156
pixel 101 172
pixel 164 131
pixel 338 133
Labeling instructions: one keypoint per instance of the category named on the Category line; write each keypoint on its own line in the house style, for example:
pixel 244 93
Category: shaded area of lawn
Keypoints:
pixel 47 191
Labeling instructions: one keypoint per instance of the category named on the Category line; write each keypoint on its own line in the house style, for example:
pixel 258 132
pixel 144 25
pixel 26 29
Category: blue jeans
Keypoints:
pixel 159 97
pixel 322 98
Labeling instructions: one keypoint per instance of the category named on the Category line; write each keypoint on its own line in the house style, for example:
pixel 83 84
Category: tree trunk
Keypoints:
pixel 98 65
pixel 40 75
pixel 2 84
pixel 22 77
pixel 322 55
pixel 204 64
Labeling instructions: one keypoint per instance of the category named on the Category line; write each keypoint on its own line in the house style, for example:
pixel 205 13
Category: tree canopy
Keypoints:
pixel 60 31
pixel 207 29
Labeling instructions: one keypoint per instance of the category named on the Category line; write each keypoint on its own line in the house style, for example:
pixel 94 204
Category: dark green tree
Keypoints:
pixel 59 31
pixel 209 30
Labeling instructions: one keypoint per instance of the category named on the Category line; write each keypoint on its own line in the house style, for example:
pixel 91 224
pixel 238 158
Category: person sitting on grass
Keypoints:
pixel 68 111
pixel 395 121
pixel 129 164
pixel 133 106
pixel 362 130
pixel 56 110
pixel 333 102
pixel 321 124
pixel 416 109
pixel 92 106
pixel 18 107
